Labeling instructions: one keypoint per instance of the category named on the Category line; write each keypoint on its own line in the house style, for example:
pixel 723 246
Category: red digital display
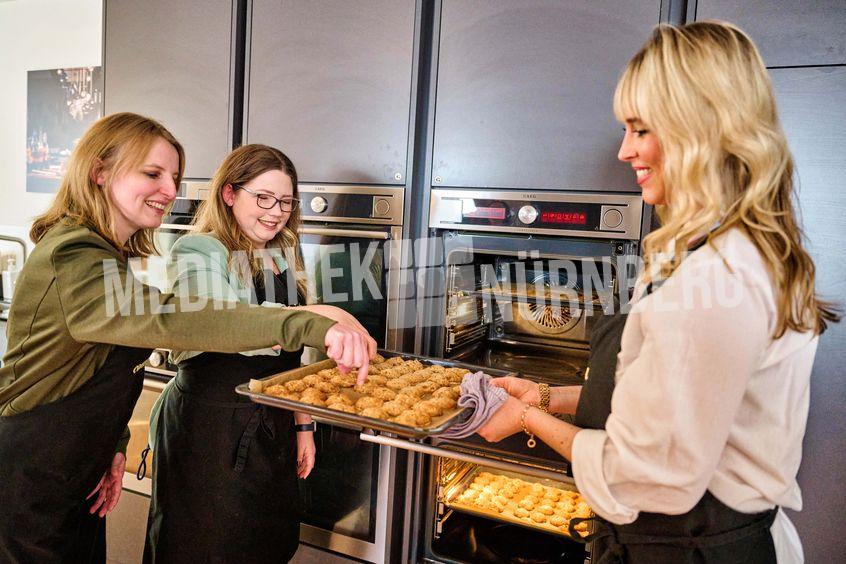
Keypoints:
pixel 486 213
pixel 564 218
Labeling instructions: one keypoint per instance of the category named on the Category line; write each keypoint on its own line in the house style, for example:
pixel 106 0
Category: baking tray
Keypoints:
pixel 254 388
pixel 463 484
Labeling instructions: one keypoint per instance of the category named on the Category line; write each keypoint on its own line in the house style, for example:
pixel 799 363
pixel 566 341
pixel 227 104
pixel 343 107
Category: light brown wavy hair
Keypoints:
pixel 118 143
pixel 704 91
pixel 215 217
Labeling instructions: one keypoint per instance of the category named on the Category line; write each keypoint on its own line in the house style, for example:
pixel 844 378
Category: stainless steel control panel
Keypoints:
pixel 578 214
pixel 378 205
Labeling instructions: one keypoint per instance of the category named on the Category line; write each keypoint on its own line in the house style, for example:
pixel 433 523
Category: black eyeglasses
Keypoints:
pixel 267 201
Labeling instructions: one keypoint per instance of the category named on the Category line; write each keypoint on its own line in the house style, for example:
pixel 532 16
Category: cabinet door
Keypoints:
pixel 524 92
pixel 787 32
pixel 330 85
pixel 812 106
pixel 171 61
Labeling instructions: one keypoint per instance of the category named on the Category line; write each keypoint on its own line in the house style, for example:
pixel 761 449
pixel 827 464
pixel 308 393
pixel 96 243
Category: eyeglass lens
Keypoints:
pixel 266 201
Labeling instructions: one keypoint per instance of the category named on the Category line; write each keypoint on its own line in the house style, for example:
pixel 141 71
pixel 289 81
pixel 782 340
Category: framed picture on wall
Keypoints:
pixel 61 105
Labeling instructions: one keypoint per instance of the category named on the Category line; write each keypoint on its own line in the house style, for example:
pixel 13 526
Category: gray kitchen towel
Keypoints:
pixel 482 398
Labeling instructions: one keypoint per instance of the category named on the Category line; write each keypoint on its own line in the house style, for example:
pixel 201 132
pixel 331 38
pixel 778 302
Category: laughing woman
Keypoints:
pixel 81 326
pixel 692 456
pixel 225 469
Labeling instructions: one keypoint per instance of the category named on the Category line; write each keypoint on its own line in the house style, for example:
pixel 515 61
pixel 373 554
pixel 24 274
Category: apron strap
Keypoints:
pixel 616 551
pixel 259 417
pixel 142 467
pixel 617 540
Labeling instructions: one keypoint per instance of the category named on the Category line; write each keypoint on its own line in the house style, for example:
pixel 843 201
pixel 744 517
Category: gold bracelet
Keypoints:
pixel 545 396
pixel 531 442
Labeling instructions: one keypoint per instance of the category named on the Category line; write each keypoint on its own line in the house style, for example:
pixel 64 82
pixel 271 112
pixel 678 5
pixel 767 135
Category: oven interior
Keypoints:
pixel 468 532
pixel 524 314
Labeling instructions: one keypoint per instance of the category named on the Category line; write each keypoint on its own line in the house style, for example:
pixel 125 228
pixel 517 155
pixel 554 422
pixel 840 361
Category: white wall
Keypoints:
pixel 36 35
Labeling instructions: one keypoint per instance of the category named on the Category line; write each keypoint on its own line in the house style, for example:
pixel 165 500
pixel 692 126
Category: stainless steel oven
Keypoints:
pixel 519 280
pixel 352 240
pixel 351 243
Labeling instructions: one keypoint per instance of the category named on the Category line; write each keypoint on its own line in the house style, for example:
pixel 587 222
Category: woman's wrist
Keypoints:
pixel 302 418
pixel 564 399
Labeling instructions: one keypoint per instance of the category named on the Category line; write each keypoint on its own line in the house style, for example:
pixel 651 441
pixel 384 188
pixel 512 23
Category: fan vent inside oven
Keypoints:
pixel 549 319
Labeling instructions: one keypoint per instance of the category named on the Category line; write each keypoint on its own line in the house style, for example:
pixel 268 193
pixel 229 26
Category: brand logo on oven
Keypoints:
pixel 530 196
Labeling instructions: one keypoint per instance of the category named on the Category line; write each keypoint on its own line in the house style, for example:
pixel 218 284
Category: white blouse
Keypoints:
pixel 705 399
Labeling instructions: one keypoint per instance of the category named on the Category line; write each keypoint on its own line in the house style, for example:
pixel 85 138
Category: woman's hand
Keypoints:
pixel 306 453
pixel 505 421
pixel 524 390
pixel 349 349
pixel 109 487
pixel 344 318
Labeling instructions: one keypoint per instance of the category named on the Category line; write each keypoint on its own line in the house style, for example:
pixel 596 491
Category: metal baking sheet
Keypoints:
pixel 352 420
pixel 462 485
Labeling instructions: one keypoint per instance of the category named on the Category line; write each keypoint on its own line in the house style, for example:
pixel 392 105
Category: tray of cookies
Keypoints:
pixel 404 394
pixel 522 500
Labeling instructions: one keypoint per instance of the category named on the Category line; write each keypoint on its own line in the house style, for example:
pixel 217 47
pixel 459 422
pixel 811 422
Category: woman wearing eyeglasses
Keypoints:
pixel 225 469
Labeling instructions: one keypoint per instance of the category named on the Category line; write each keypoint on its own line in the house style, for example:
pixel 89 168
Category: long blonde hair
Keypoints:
pixel 704 91
pixel 215 217
pixel 117 143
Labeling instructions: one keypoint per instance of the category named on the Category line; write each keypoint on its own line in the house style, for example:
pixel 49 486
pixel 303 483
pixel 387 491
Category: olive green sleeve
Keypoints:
pixel 124 442
pixel 103 302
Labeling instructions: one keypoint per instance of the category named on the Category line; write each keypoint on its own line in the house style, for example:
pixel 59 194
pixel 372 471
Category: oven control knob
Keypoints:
pixel 612 219
pixel 156 359
pixel 381 207
pixel 319 204
pixel 527 214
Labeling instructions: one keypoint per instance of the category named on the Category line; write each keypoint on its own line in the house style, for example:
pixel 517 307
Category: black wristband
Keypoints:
pixel 306 427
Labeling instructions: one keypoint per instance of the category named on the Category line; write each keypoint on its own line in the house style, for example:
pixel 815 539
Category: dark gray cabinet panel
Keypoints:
pixel 170 61
pixel 812 105
pixel 788 32
pixel 524 92
pixel 330 85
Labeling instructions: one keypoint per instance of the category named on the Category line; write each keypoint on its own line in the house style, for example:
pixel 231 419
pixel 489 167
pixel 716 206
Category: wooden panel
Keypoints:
pixel 788 33
pixel 812 105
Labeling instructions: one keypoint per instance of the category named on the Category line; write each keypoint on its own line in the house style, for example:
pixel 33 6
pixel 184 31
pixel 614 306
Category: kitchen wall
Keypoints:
pixel 36 35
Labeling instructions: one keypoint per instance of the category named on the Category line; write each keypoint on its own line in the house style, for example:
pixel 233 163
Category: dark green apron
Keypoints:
pixel 225 468
pixel 52 456
pixel 711 532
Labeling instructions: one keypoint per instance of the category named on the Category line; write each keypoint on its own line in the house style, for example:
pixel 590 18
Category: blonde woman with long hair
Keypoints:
pixel 687 443
pixel 81 327
pixel 245 249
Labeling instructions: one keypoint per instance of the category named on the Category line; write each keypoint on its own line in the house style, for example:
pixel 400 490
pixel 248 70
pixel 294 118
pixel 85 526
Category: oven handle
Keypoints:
pixel 345 233
pixel 464 457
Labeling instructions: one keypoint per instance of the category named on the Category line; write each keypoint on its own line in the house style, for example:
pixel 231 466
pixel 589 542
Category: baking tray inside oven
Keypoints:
pixel 254 390
pixel 463 486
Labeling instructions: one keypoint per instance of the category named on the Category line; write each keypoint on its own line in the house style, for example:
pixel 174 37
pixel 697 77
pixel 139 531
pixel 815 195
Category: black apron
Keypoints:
pixel 52 456
pixel 224 468
pixel 711 532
